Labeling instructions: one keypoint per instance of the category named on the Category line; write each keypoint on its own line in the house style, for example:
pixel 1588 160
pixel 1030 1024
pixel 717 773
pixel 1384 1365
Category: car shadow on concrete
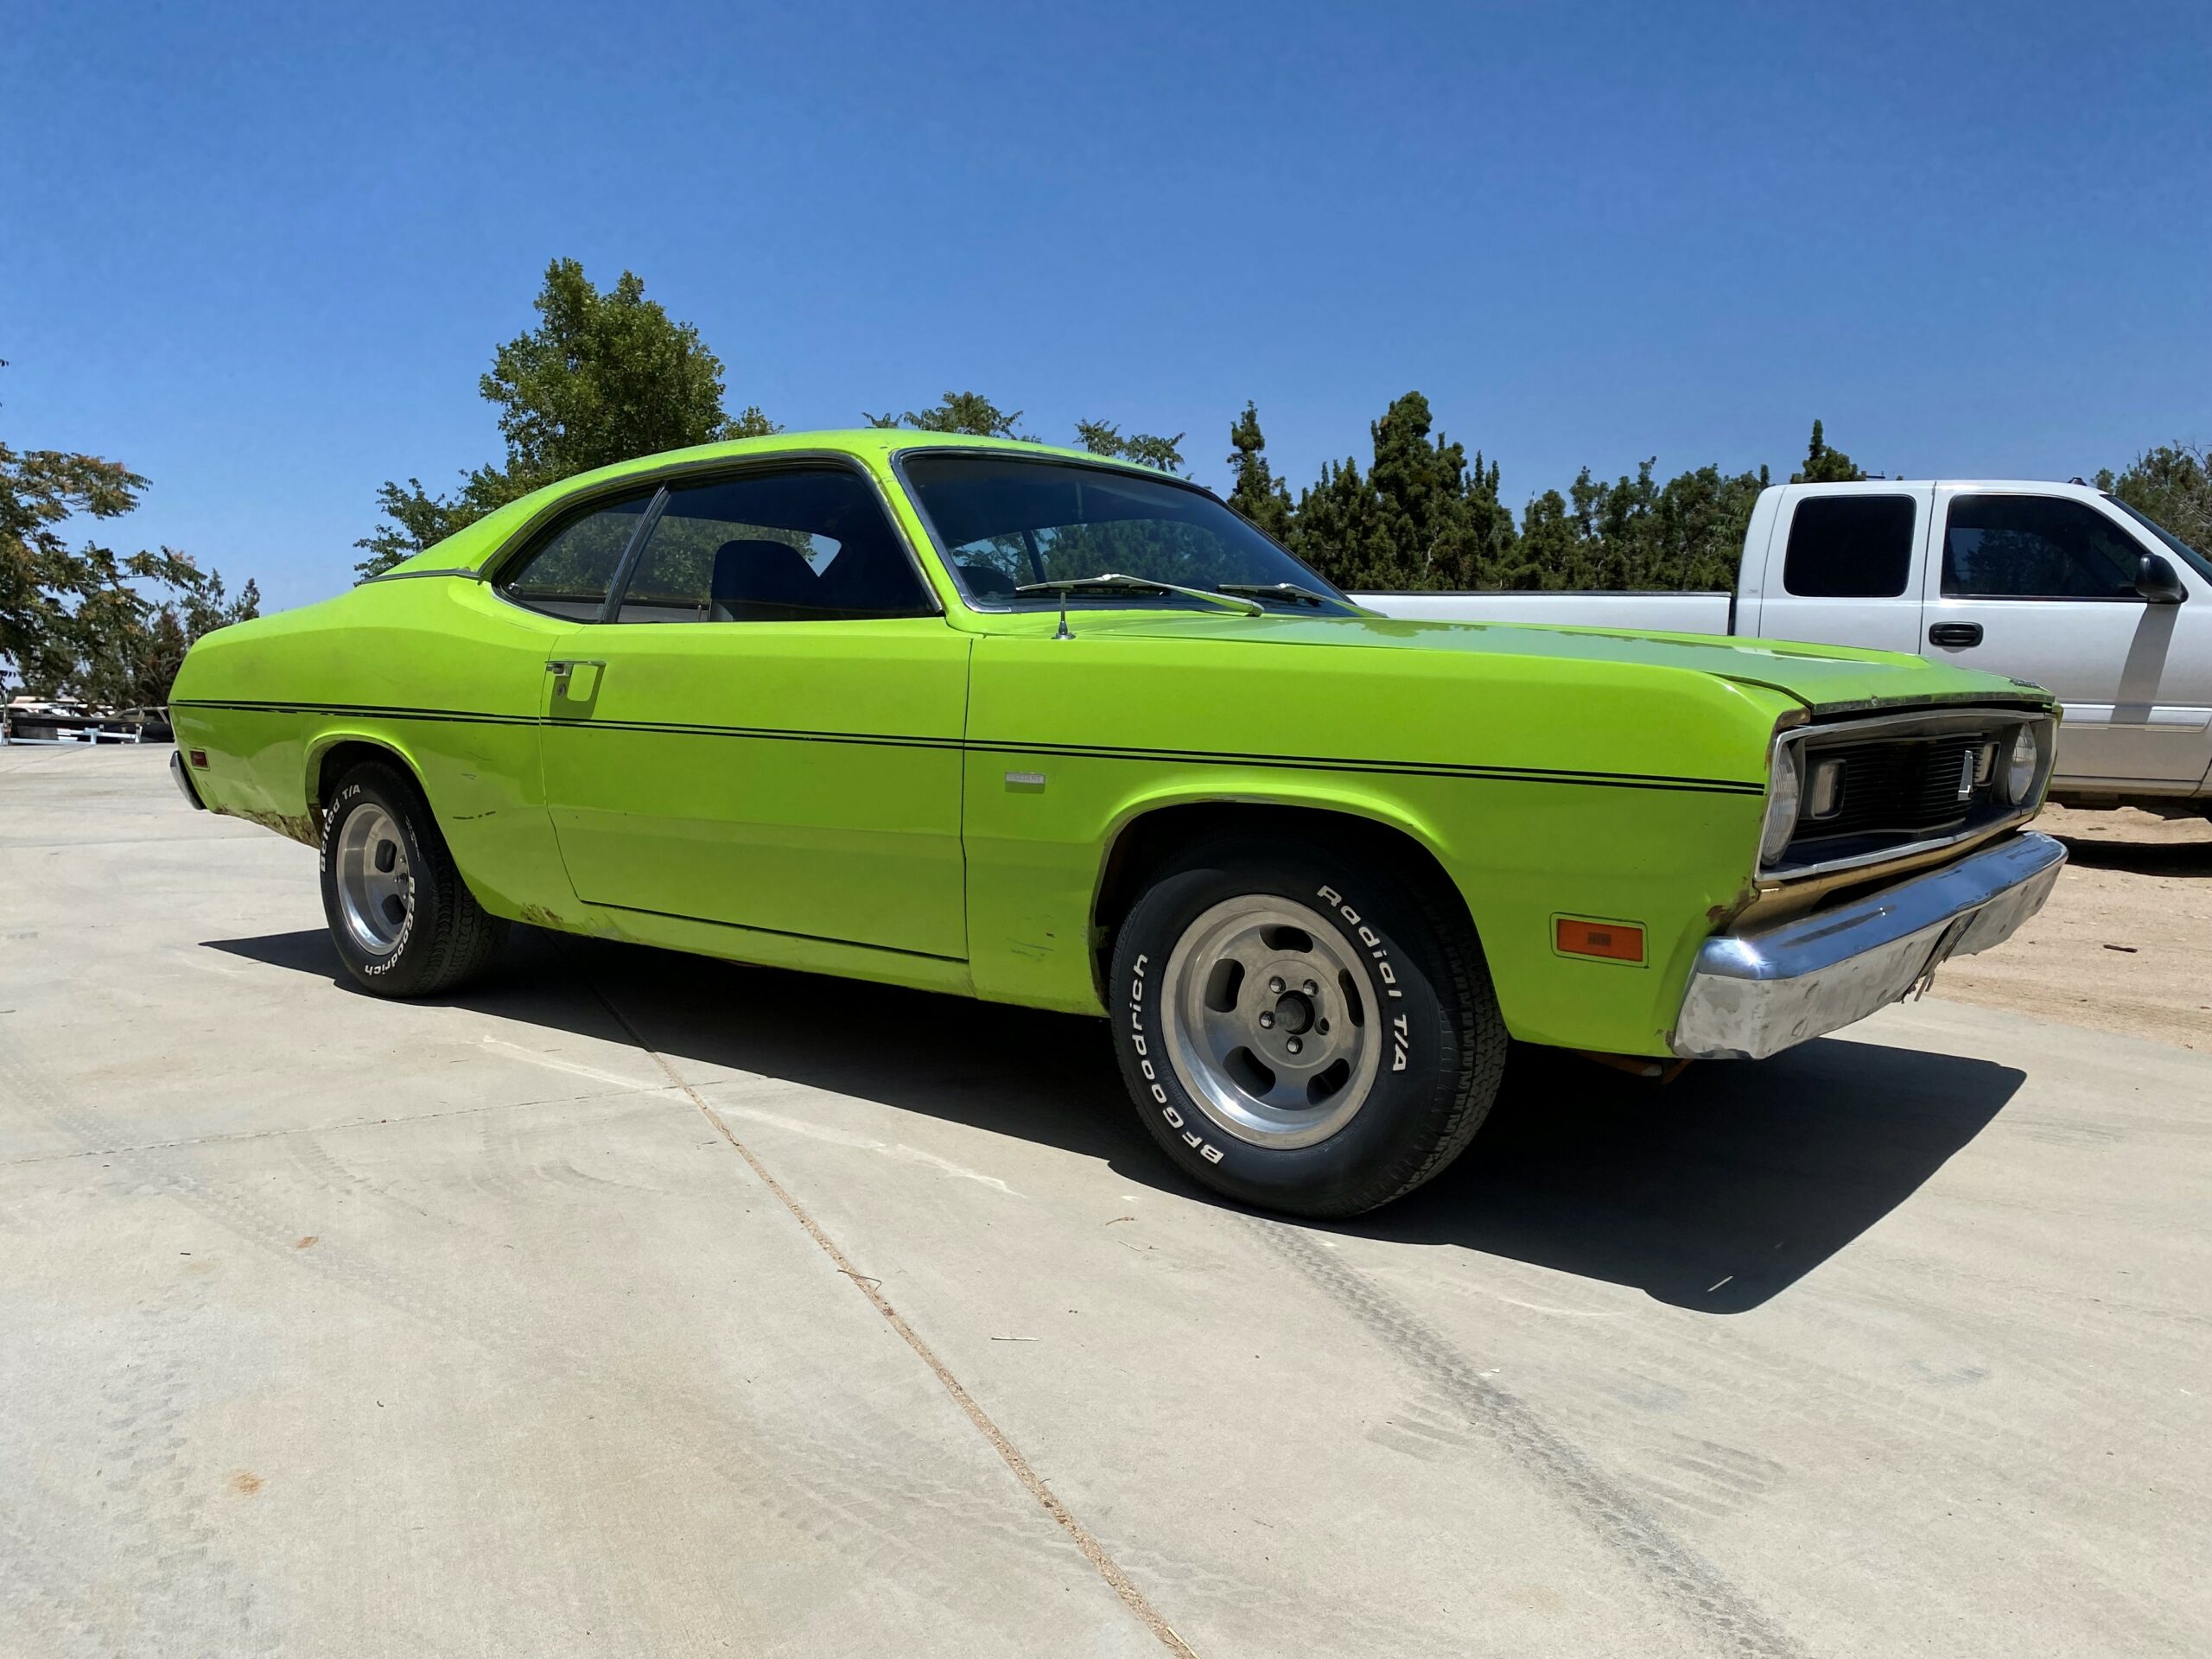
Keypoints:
pixel 1715 1192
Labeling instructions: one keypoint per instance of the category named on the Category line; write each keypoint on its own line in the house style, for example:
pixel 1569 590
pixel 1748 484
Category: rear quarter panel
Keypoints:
pixel 436 670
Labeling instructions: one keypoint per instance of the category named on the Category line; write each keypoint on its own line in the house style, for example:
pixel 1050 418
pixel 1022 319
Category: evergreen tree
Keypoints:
pixel 1263 498
pixel 1423 534
pixel 1334 524
pixel 1824 465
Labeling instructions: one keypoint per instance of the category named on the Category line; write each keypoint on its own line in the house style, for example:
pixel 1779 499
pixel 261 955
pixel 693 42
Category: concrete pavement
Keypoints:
pixel 636 1304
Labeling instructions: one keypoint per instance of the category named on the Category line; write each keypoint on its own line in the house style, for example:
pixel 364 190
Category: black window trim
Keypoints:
pixel 1094 463
pixel 685 474
pixel 1943 553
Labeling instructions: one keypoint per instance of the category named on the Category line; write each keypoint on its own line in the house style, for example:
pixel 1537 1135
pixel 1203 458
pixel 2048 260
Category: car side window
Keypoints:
pixel 2035 547
pixel 806 544
pixel 568 570
pixel 1849 547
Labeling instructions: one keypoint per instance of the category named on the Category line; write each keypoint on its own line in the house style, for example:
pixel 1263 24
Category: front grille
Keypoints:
pixel 1896 786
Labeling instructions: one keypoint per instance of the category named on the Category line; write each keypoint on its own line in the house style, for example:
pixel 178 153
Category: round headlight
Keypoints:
pixel 1782 799
pixel 2020 766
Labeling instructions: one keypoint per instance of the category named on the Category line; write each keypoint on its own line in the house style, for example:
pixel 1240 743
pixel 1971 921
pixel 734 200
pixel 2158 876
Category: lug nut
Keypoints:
pixel 1275 985
pixel 1294 1045
pixel 1266 1022
pixel 1311 989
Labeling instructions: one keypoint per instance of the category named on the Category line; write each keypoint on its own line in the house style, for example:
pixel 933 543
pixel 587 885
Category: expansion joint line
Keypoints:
pixel 1031 1482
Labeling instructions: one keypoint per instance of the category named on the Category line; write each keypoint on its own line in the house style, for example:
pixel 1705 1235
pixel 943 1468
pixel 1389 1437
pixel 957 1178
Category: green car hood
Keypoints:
pixel 1826 679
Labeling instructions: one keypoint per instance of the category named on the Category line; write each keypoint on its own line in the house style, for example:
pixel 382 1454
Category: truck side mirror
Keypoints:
pixel 2157 581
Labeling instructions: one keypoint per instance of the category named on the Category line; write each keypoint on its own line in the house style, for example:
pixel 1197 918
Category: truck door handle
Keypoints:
pixel 1957 634
pixel 561 669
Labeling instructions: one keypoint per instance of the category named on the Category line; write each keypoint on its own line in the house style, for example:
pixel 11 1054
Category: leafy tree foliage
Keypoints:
pixel 2173 484
pixel 957 411
pixel 81 623
pixel 1105 438
pixel 1824 465
pixel 603 377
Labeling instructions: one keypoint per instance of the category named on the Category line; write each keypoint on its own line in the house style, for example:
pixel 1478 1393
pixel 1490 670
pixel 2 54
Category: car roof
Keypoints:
pixel 468 550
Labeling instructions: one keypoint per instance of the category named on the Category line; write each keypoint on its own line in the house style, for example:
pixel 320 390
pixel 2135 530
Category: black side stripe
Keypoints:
pixel 1081 751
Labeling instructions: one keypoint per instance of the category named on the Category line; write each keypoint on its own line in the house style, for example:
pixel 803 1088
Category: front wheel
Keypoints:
pixel 1301 1030
pixel 404 921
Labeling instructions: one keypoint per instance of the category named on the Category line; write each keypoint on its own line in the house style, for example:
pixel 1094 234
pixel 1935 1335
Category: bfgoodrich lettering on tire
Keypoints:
pixel 404 921
pixel 1301 1029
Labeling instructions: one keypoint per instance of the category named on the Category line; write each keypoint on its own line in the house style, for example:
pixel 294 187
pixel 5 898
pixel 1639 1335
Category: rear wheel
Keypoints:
pixel 404 921
pixel 1301 1029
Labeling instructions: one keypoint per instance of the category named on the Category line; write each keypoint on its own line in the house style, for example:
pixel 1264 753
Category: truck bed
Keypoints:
pixel 1647 613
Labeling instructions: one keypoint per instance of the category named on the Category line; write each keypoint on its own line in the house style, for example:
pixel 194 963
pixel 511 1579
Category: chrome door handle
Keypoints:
pixel 561 669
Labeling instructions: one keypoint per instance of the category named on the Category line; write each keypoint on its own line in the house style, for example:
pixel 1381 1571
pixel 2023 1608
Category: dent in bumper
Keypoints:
pixel 1754 994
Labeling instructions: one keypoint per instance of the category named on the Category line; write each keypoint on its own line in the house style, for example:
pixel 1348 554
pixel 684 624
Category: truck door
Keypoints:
pixel 2042 585
pixel 1840 567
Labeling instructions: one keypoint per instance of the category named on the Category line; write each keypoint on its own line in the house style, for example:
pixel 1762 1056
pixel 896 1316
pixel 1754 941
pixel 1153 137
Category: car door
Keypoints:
pixel 764 731
pixel 2042 586
pixel 1840 567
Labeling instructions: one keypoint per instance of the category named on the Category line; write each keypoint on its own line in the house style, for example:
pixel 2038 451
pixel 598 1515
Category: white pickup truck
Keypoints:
pixel 2057 583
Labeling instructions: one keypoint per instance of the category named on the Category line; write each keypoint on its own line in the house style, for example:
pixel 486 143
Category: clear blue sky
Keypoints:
pixel 261 255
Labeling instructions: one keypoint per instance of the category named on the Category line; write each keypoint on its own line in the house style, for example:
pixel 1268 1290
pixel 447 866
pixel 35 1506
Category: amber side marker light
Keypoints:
pixel 1614 941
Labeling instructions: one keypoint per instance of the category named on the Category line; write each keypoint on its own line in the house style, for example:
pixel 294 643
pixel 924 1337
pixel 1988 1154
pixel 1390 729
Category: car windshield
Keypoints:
pixel 1007 521
pixel 2196 557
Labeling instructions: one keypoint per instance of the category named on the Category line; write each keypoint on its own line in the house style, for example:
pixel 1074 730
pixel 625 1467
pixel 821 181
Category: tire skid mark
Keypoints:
pixel 843 1498
pixel 1725 1620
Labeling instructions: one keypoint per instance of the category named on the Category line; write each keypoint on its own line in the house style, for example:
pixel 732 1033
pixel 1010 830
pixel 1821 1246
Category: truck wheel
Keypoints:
pixel 404 922
pixel 1301 1030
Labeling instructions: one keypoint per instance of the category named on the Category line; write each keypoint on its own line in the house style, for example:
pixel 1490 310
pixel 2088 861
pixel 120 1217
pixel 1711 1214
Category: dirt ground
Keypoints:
pixel 2126 943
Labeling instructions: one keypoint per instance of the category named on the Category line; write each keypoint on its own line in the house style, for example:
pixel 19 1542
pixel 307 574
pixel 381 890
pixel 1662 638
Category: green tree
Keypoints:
pixel 1548 553
pixel 1334 525
pixel 1105 438
pixel 603 378
pixel 2171 484
pixel 957 411
pixel 81 622
pixel 1824 465
pixel 1263 498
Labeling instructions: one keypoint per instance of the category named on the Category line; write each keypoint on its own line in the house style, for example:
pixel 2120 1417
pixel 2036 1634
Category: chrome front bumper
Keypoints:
pixel 1752 995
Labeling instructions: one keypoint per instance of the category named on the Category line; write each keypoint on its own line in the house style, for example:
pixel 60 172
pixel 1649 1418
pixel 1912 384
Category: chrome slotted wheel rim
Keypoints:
pixel 376 887
pixel 1270 1021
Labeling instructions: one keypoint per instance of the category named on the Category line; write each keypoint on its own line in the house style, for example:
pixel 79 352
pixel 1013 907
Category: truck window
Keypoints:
pixel 1849 547
pixel 2035 547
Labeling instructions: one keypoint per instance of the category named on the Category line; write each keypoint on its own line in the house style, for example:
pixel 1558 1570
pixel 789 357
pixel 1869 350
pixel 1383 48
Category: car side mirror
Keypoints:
pixel 2157 581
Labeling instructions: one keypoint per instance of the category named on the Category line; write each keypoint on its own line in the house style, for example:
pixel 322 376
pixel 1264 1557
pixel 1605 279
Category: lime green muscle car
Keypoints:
pixel 1012 722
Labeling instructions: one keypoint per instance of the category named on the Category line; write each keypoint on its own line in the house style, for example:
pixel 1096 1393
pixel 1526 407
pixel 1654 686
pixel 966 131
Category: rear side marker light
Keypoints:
pixel 1610 941
pixel 199 758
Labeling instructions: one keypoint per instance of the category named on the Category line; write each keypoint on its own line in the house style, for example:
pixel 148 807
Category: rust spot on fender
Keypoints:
pixel 538 916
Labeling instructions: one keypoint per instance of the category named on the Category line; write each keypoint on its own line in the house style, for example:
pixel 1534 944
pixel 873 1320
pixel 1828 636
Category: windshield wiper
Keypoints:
pixel 1289 591
pixel 1112 581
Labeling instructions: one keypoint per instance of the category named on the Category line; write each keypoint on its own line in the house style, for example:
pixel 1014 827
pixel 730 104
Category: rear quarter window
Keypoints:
pixel 1849 547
